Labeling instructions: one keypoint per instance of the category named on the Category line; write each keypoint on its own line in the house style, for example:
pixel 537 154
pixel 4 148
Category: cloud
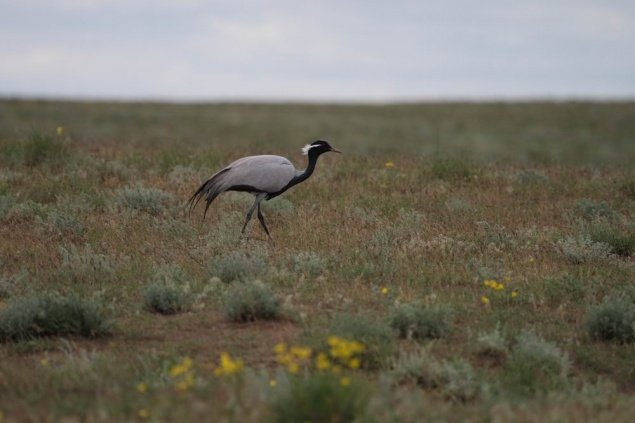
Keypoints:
pixel 322 50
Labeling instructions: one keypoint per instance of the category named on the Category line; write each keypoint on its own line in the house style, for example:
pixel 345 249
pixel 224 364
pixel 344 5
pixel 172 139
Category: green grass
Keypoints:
pixel 537 196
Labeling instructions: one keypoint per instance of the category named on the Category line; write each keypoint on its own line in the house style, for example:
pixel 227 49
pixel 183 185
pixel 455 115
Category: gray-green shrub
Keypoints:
pixel 149 200
pixel 249 301
pixel 377 337
pixel 582 249
pixel 535 366
pixel 167 292
pixel 52 315
pixel 84 265
pixel 613 320
pixel 308 262
pixel 620 240
pixel 319 397
pixel 492 344
pixel 165 299
pixel 590 209
pixel 65 222
pixel 417 322
pixel 237 265
pixel 456 378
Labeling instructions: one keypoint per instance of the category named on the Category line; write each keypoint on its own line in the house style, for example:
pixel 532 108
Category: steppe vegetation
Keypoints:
pixel 458 262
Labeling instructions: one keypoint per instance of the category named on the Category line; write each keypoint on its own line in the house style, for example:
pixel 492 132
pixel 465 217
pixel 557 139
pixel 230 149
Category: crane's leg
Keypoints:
pixel 259 198
pixel 261 218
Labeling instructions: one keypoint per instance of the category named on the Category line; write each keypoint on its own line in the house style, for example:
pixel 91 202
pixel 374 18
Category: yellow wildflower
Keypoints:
pixel 143 413
pixel 354 363
pixel 280 348
pixel 384 291
pixel 293 367
pixel 142 387
pixel 345 381
pixel 301 353
pixel 333 340
pixel 228 366
pixel 389 164
pixel 499 287
pixel 273 383
pixel 44 362
pixel 485 300
pixel 514 294
pixel 59 131
pixel 322 362
pixel 181 368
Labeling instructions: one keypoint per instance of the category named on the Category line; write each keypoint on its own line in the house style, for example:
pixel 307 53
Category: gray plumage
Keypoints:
pixel 265 176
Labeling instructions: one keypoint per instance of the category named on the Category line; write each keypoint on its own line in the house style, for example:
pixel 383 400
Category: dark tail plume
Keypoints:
pixel 209 190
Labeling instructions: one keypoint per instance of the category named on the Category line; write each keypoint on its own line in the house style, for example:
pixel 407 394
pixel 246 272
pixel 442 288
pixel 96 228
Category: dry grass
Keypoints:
pixel 359 237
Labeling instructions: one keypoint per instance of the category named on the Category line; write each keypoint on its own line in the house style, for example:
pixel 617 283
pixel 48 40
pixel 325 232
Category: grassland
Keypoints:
pixel 481 253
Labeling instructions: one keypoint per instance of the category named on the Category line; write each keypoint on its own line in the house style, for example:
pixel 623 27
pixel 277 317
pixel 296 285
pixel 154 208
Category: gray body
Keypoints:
pixel 264 176
pixel 264 173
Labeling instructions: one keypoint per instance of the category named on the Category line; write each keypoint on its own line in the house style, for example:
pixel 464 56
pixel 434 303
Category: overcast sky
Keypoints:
pixel 317 50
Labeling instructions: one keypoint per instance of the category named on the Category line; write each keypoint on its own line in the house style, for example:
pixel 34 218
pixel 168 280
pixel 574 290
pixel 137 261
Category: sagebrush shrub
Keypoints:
pixel 535 366
pixel 249 301
pixel 459 381
pixel 582 249
pixel 417 322
pixel 165 299
pixel 620 240
pixel 320 397
pixel 5 287
pixel 613 320
pixel 237 265
pixel 25 211
pixel 149 200
pixel 65 222
pixel 308 262
pixel 456 378
pixel 84 265
pixel 167 292
pixel 52 315
pixel 377 337
pixel 492 344
pixel 590 209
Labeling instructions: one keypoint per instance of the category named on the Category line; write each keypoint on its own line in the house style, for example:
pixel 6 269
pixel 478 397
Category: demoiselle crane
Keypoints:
pixel 263 176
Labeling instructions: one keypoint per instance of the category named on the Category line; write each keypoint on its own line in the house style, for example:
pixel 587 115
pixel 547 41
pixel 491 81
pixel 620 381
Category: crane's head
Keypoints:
pixel 318 147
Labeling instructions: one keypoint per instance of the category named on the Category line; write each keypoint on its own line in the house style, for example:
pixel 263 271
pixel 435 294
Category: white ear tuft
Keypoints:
pixel 306 148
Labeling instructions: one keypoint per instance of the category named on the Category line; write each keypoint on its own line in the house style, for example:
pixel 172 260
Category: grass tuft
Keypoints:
pixel 37 149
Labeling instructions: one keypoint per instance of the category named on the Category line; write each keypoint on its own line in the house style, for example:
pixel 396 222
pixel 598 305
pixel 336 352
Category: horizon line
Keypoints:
pixel 320 101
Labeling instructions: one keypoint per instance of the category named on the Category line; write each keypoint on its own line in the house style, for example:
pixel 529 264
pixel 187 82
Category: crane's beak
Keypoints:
pixel 335 150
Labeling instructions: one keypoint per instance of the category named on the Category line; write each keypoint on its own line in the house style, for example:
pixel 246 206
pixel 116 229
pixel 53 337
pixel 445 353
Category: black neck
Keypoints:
pixel 313 157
